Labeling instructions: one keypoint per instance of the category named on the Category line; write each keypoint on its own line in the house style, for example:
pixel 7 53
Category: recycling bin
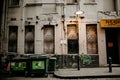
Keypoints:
pixel 52 64
pixel 38 66
pixel 19 67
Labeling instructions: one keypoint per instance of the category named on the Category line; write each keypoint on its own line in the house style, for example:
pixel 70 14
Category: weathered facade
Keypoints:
pixel 52 27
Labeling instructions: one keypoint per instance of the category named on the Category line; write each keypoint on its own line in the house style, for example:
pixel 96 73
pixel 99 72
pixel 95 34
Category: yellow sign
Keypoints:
pixel 110 23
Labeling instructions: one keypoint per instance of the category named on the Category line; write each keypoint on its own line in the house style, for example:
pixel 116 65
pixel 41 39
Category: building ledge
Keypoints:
pixel 72 3
pixel 34 4
pixel 90 3
pixel 40 4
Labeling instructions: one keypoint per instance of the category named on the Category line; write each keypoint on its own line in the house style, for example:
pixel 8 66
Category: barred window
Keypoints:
pixel 29 39
pixel 13 39
pixel 91 32
pixel 72 39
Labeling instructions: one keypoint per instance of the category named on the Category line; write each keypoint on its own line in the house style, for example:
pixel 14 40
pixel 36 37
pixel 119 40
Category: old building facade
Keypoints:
pixel 52 27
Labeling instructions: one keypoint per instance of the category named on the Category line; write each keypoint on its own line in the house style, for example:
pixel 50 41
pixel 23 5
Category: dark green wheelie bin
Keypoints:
pixel 52 64
pixel 38 65
pixel 19 67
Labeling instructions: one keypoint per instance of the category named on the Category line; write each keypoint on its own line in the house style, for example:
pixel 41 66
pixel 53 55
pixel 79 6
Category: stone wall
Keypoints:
pixel 70 61
pixel 66 61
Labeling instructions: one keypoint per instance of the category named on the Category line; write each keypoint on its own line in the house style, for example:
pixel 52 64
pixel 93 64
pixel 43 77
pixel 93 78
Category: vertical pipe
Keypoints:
pixel 4 18
pixel 117 6
pixel 77 30
pixel 22 25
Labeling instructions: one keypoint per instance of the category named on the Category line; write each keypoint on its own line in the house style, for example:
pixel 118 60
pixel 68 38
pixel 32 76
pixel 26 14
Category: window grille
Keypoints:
pixel 91 34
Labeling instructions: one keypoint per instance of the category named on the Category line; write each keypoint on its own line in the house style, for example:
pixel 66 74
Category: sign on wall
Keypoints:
pixel 110 23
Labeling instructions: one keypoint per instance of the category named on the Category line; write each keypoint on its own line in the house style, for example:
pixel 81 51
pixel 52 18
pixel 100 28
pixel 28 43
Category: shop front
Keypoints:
pixel 112 33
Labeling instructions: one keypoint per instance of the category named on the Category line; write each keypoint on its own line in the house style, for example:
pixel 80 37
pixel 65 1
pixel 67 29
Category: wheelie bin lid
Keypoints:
pixel 37 56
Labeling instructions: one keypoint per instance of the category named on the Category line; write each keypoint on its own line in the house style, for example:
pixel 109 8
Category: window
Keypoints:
pixel 29 39
pixel 14 3
pixel 72 39
pixel 12 41
pixel 49 39
pixel 91 38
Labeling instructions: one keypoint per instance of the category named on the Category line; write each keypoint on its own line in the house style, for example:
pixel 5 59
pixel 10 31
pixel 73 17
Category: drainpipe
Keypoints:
pixel 22 17
pixel 117 6
pixel 3 29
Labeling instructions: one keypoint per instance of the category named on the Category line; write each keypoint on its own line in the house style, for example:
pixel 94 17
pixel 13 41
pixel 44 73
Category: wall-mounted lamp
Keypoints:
pixel 79 12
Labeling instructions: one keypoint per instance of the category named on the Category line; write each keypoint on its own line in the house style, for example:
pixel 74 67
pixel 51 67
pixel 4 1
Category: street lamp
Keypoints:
pixel 77 30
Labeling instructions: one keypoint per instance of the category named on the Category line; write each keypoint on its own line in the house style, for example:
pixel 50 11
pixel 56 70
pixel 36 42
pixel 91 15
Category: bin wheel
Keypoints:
pixel 46 75
pixel 32 75
pixel 10 73
pixel 26 73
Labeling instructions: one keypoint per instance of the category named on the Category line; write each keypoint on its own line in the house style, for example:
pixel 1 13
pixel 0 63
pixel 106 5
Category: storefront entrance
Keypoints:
pixel 113 45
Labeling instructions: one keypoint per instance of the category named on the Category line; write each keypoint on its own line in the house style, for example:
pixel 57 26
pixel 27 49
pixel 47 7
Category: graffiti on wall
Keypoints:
pixel 86 59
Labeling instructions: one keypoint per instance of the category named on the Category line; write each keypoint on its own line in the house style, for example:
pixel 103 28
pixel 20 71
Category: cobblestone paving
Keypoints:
pixel 100 71
pixel 50 78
